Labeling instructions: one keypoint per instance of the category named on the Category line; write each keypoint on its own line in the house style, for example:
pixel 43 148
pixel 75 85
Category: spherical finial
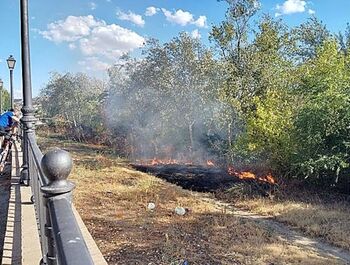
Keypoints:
pixel 57 164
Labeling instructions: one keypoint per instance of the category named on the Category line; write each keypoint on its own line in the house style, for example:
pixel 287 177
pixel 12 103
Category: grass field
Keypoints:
pixel 112 199
pixel 314 212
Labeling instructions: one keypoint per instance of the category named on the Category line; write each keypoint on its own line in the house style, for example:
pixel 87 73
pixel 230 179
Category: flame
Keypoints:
pixel 167 161
pixel 249 175
pixel 156 161
pixel 270 179
pixel 244 175
pixel 210 163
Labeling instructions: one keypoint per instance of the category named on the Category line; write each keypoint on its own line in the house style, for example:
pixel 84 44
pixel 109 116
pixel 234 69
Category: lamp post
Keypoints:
pixel 11 65
pixel 28 118
pixel 1 85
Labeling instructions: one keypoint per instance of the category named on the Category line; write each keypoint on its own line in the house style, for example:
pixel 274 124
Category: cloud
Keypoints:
pixel 70 29
pixel 92 5
pixel 110 41
pixel 195 34
pixel 132 17
pixel 184 18
pixel 94 64
pixel 151 11
pixel 201 22
pixel 93 37
pixel 72 46
pixel 311 12
pixel 291 7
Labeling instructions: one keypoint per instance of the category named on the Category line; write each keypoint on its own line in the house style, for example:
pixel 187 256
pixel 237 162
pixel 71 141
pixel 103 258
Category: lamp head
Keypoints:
pixel 11 62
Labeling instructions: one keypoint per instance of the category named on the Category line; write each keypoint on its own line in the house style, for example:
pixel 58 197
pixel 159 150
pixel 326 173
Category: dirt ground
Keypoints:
pixel 113 200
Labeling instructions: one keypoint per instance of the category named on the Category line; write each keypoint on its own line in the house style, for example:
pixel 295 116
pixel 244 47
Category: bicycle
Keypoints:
pixel 5 148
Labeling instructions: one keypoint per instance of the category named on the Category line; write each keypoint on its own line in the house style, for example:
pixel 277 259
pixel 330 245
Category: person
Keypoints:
pixel 8 121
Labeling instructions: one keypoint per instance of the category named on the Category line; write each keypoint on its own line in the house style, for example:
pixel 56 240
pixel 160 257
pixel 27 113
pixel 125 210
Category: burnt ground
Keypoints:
pixel 191 177
pixel 205 179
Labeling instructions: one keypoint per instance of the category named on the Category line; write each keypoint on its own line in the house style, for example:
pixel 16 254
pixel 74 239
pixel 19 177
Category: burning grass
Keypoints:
pixel 112 200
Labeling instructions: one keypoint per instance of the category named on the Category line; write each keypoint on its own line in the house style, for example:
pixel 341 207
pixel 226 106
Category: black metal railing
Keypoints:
pixel 61 240
pixel 60 236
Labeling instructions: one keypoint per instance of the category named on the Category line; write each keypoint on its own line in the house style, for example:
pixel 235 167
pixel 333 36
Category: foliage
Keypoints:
pixel 5 98
pixel 322 124
pixel 267 138
pixel 310 36
pixel 163 100
pixel 73 102
pixel 265 96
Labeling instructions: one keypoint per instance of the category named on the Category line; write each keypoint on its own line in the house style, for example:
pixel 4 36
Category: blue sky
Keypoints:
pixel 88 36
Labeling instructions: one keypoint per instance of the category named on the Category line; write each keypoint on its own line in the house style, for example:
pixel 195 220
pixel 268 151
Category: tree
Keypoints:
pixel 267 139
pixel 322 124
pixel 165 94
pixel 237 66
pixel 6 104
pixel 74 99
pixel 310 36
pixel 344 40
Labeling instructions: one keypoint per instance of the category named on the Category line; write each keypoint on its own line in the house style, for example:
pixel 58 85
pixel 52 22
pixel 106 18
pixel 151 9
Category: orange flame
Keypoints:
pixel 244 175
pixel 270 179
pixel 210 163
pixel 249 175
pixel 156 161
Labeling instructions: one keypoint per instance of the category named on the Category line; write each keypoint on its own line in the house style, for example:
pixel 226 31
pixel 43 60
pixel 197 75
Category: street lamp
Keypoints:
pixel 1 85
pixel 11 64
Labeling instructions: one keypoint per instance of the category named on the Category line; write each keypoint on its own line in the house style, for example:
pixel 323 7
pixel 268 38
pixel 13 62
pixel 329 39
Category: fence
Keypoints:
pixel 61 240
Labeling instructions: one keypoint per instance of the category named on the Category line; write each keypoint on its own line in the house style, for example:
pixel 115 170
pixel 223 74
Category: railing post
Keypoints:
pixel 56 165
pixel 28 118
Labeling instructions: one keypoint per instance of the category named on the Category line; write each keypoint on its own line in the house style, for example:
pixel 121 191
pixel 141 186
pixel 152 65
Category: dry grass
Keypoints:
pixel 112 200
pixel 329 221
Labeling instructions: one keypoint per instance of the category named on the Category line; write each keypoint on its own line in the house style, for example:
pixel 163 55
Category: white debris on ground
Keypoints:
pixel 151 206
pixel 180 211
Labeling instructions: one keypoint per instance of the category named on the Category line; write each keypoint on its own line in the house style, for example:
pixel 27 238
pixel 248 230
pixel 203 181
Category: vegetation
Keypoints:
pixel 5 95
pixel 267 96
pixel 112 199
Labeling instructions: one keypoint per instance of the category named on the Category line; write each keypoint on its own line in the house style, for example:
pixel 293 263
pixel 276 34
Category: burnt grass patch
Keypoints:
pixel 207 179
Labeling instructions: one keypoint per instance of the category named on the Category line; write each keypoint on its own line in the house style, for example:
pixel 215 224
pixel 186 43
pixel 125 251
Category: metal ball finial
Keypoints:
pixel 56 164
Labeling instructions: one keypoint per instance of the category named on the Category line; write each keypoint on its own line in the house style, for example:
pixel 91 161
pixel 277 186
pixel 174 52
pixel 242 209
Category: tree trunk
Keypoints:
pixel 190 130
pixel 229 138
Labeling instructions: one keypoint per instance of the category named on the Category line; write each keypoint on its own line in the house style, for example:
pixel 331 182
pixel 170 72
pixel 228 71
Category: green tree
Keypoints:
pixel 237 87
pixel 322 125
pixel 74 99
pixel 165 95
pixel 5 95
pixel 267 138
pixel 344 40
pixel 310 36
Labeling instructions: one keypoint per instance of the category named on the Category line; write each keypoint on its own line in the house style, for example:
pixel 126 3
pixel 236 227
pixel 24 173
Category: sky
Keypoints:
pixel 89 36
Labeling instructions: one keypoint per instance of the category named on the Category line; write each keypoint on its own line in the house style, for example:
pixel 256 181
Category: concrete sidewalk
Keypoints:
pixel 22 244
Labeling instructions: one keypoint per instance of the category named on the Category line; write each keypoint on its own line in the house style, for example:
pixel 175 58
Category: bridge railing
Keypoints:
pixel 61 240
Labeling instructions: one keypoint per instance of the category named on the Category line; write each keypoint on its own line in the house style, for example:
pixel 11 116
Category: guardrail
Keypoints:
pixel 61 240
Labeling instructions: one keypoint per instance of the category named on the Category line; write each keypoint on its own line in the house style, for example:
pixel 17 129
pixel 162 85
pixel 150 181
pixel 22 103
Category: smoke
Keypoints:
pixel 161 125
pixel 167 105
